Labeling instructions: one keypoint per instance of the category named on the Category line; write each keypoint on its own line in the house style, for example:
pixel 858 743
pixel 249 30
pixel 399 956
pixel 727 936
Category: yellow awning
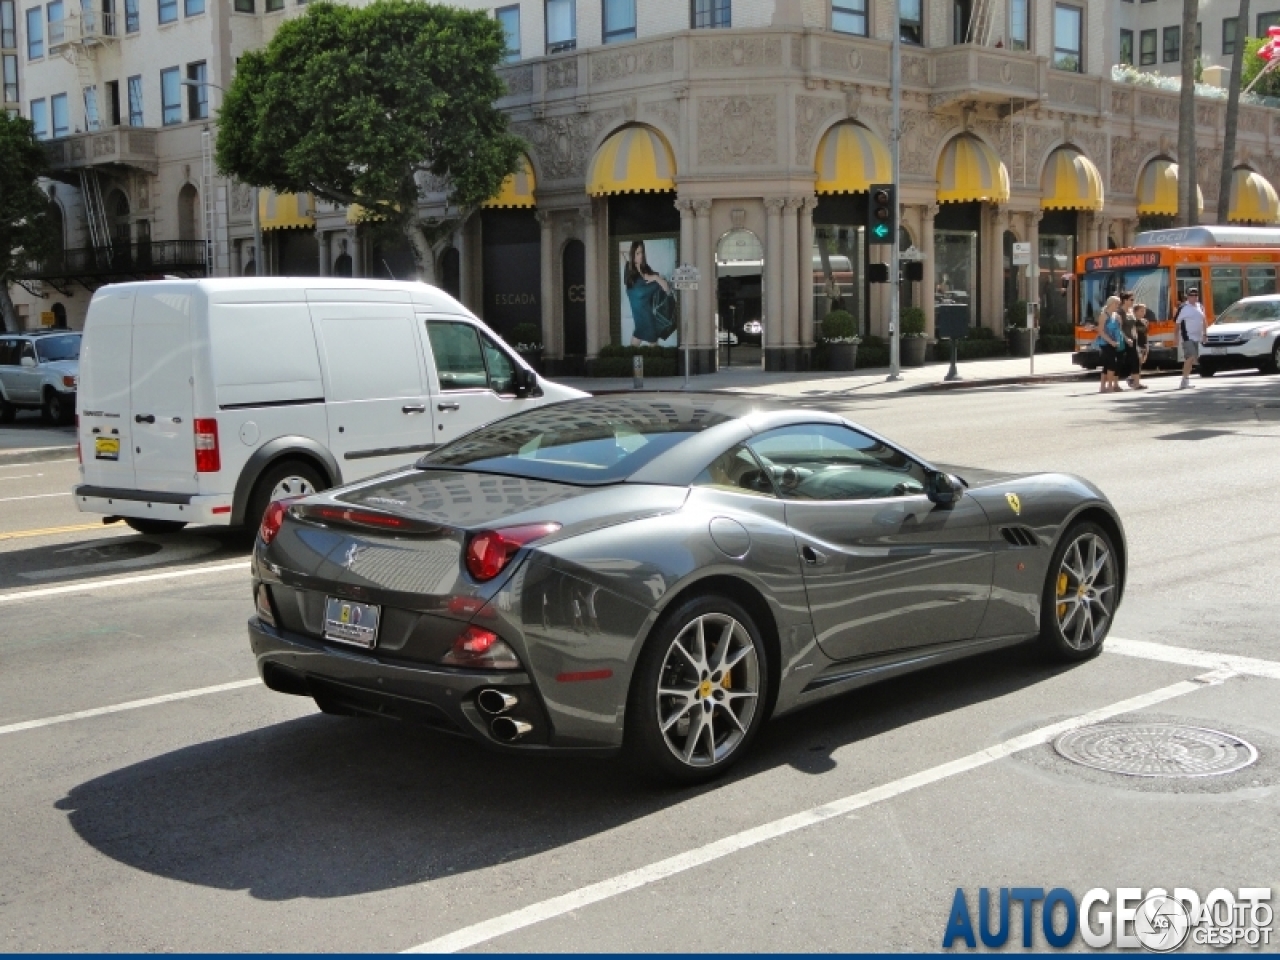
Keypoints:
pixel 517 189
pixel 1070 181
pixel 286 211
pixel 634 160
pixel 969 170
pixel 1158 189
pixel 1253 199
pixel 850 159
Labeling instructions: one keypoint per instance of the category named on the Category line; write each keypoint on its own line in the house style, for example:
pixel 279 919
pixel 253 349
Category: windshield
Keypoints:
pixel 50 349
pixel 589 442
pixel 1149 286
pixel 1256 312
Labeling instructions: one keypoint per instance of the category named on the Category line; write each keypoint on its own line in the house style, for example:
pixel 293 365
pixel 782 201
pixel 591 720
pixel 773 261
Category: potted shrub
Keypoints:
pixel 527 339
pixel 841 337
pixel 914 340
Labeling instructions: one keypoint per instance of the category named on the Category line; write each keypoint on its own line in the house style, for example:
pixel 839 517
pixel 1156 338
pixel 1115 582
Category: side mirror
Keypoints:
pixel 944 489
pixel 526 381
pixel 28 361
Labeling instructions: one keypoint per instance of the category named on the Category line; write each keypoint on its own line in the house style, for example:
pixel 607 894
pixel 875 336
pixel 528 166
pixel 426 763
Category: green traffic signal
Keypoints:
pixel 881 231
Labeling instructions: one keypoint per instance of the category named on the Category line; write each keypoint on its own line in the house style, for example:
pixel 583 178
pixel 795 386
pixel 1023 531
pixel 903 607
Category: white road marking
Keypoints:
pixel 90 586
pixel 1145 650
pixel 131 705
pixel 594 893
pixel 41 463
pixel 33 496
pixel 23 476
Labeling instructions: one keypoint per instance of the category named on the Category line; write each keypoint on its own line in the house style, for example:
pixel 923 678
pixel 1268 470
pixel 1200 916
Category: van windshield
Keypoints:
pixel 49 349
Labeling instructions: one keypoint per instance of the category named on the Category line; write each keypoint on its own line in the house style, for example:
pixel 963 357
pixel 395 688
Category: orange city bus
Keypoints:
pixel 1224 263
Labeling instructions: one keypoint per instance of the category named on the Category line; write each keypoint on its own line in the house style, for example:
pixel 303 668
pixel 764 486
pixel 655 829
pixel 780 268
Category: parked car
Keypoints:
pixel 659 573
pixel 728 338
pixel 39 371
pixel 203 400
pixel 1246 334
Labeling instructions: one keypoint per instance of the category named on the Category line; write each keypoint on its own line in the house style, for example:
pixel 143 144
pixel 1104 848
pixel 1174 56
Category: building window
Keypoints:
pixel 712 14
pixel 91 119
pixel 1019 25
pixel 1147 48
pixel 170 96
pixel 911 21
pixel 135 102
pixel 244 6
pixel 1068 23
pixel 113 102
pixel 132 20
pixel 1126 47
pixel 273 5
pixel 1172 44
pixel 197 91
pixel 10 78
pixel 619 20
pixel 849 16
pixel 8 25
pixel 168 11
pixel 191 8
pixel 61 115
pixel 57 26
pixel 35 34
pixel 1229 35
pixel 1266 20
pixel 40 118
pixel 509 18
pixel 562 26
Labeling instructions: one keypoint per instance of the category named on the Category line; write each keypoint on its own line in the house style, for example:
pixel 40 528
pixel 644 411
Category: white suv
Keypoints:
pixel 1246 334
pixel 39 371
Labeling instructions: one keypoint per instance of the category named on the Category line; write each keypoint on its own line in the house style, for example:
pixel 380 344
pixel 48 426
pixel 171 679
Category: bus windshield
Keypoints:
pixel 1149 285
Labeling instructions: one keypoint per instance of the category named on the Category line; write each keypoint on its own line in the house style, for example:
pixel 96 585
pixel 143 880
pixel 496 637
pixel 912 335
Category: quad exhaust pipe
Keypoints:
pixel 509 730
pixel 495 702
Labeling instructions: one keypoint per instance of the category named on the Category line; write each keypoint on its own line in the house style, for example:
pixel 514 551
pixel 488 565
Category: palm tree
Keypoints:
pixel 1233 112
pixel 1187 206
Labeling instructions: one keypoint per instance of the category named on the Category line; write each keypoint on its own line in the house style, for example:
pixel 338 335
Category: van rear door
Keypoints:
pixel 162 406
pixel 106 419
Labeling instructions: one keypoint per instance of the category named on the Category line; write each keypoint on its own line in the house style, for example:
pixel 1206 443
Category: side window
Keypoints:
pixel 502 372
pixel 1228 287
pixel 28 350
pixel 738 470
pixel 1188 277
pixel 8 353
pixel 829 462
pixel 459 362
pixel 1262 280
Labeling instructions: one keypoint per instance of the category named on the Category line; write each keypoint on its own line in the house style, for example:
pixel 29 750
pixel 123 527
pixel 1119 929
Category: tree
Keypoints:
pixel 26 229
pixel 358 105
pixel 1233 114
pixel 1188 198
pixel 1268 86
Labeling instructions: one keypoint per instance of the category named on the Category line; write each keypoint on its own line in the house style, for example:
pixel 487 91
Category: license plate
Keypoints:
pixel 106 448
pixel 349 622
pixel 1214 351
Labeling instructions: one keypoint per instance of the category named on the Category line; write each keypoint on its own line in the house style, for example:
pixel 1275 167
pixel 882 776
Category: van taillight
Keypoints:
pixel 208 460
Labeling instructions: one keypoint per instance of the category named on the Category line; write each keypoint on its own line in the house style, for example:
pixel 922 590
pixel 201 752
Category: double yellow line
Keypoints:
pixel 50 531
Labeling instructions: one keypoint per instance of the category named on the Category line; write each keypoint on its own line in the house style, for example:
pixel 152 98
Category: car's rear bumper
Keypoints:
pixel 153 505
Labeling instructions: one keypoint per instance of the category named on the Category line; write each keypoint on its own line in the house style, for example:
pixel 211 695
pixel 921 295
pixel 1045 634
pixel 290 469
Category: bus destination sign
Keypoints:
pixel 1123 261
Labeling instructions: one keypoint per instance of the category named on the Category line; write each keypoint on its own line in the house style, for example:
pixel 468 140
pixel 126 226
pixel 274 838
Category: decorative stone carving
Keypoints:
pixel 241 198
pixel 668 111
pixel 1069 92
pixel 738 218
pixel 702 208
pixel 773 206
pixel 562 73
pixel 1126 154
pixel 685 207
pixel 1208 163
pixel 143 193
pixel 844 59
pixel 797 52
pixel 812 113
pixel 563 144
pixel 1121 101
pixel 1158 108
pixel 1206 116
pixel 915 70
pixel 1252 121
pixel 519 81
pixel 652 58
pixel 1015 75
pixel 104 146
pixel 734 131
pixel 922 133
pixel 718 53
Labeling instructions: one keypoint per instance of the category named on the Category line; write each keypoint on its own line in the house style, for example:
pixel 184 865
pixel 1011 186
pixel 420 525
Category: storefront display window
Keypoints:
pixel 956 274
pixel 1057 255
pixel 837 272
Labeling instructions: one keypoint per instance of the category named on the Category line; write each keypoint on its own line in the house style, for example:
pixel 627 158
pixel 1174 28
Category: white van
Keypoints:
pixel 201 401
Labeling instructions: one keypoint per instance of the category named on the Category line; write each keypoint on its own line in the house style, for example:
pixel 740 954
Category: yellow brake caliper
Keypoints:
pixel 1062 592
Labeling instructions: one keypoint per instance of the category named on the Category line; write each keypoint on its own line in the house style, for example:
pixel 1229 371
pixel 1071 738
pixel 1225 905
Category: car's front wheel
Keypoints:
pixel 1207 369
pixel 56 408
pixel 698 696
pixel 1272 363
pixel 1080 593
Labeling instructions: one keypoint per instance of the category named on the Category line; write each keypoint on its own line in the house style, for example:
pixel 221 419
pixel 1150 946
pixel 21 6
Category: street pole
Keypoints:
pixel 895 93
pixel 259 260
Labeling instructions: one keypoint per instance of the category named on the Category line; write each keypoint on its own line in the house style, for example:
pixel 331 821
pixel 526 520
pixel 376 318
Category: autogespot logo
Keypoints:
pixel 1155 919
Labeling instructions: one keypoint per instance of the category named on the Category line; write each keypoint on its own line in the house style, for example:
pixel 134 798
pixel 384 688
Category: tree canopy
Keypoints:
pixel 357 105
pixel 26 229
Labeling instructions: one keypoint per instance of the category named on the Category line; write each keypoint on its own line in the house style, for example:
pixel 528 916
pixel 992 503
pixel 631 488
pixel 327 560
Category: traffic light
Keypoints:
pixel 882 213
pixel 913 270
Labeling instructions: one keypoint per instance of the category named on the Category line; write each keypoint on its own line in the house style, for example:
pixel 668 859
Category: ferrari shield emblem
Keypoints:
pixel 1014 503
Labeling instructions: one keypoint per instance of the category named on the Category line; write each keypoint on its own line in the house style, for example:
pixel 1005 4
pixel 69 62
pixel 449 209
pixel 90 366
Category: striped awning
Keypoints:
pixel 286 211
pixel 1070 181
pixel 517 189
pixel 1253 199
pixel 969 170
pixel 634 160
pixel 850 159
pixel 1158 189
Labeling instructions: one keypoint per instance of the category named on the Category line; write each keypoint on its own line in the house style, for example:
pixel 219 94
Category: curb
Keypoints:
pixel 996 382
pixel 37 454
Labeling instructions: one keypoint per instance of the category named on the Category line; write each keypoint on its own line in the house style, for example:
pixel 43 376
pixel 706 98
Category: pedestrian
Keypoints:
pixel 1110 344
pixel 1190 323
pixel 1141 345
pixel 1129 329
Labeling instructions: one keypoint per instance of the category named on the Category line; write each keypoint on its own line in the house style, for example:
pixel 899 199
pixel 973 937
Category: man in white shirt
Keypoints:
pixel 1190 324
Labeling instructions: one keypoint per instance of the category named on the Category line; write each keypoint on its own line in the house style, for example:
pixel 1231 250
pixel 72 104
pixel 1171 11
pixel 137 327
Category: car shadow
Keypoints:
pixel 1237 403
pixel 328 807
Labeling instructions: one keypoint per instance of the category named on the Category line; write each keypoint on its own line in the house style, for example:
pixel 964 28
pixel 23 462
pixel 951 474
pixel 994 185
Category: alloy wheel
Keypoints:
pixel 708 690
pixel 1086 592
pixel 292 487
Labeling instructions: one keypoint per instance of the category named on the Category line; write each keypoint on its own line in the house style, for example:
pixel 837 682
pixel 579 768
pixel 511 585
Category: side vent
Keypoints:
pixel 1020 536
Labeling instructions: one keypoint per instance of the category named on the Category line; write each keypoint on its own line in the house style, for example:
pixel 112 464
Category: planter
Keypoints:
pixel 842 356
pixel 911 351
pixel 1020 342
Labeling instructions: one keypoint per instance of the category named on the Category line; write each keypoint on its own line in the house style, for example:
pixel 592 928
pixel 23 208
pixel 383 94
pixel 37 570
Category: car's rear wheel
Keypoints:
pixel 697 700
pixel 1272 363
pixel 154 527
pixel 7 411
pixel 56 408
pixel 1080 593
pixel 1208 369
pixel 288 478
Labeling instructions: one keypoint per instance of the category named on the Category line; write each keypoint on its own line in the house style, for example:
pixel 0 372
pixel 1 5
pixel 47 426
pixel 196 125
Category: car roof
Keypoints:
pixel 42 333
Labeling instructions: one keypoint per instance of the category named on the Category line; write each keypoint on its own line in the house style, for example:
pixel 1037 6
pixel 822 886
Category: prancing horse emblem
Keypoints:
pixel 1014 503
pixel 353 552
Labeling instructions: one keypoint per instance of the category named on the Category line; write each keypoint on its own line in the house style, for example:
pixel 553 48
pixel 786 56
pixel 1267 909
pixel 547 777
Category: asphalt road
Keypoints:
pixel 239 819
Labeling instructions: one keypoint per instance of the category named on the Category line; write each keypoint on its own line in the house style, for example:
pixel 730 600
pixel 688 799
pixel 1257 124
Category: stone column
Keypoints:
pixel 591 244
pixel 790 278
pixel 705 355
pixel 1033 238
pixel 805 264
pixel 774 324
pixel 993 298
pixel 927 212
pixel 551 347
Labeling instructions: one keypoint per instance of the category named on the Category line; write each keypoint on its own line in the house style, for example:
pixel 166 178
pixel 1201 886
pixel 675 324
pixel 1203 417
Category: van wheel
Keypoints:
pixel 7 411
pixel 288 478
pixel 56 408
pixel 154 527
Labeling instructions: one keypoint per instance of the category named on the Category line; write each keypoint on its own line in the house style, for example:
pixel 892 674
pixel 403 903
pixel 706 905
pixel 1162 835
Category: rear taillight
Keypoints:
pixel 208 460
pixel 489 551
pixel 483 649
pixel 363 518
pixel 273 518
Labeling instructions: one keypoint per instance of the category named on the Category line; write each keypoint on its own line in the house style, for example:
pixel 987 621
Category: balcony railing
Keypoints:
pixel 133 147
pixel 121 261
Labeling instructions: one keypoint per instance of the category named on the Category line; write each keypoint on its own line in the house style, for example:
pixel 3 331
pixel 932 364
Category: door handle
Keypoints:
pixel 442 407
pixel 144 418
pixel 814 558
pixel 414 408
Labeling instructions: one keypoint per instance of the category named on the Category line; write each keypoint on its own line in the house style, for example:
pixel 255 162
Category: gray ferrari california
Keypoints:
pixel 660 573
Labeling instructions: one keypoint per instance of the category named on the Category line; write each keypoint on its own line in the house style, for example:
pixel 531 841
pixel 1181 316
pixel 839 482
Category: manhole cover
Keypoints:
pixel 1156 750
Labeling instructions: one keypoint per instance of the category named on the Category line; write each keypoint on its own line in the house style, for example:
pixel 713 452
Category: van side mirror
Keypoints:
pixel 28 361
pixel 944 489
pixel 526 381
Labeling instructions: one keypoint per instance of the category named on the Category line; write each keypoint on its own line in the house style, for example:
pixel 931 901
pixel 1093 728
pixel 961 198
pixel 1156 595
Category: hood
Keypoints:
pixel 62 367
pixel 976 477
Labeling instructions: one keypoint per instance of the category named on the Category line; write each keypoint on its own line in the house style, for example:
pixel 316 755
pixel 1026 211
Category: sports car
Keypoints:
pixel 659 573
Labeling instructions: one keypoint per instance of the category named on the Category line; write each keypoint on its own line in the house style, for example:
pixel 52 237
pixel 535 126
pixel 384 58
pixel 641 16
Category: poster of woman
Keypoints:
pixel 649 310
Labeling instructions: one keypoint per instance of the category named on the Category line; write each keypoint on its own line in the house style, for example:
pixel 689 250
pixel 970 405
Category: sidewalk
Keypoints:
pixel 29 440
pixel 1050 367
